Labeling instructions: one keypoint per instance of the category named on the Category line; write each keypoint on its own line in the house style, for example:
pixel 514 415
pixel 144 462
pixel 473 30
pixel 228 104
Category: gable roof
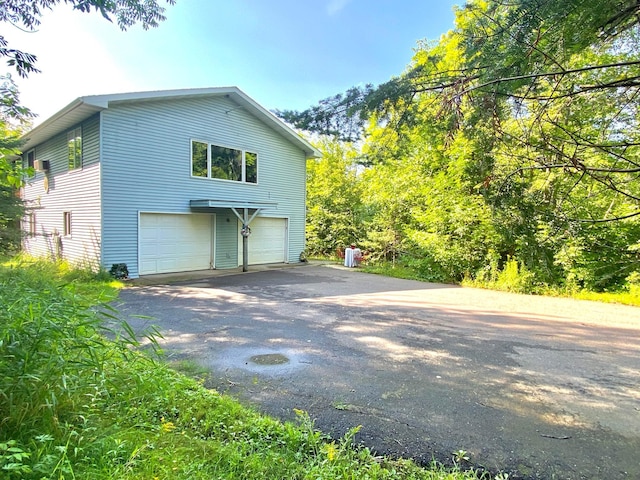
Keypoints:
pixel 84 107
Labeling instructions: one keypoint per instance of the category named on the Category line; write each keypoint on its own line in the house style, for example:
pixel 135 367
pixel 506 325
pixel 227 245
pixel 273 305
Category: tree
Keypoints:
pixel 13 118
pixel 27 14
pixel 334 212
pixel 527 115
pixel 540 59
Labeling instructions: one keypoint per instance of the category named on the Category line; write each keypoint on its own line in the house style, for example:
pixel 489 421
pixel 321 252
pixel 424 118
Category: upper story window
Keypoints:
pixel 74 142
pixel 214 161
pixel 29 160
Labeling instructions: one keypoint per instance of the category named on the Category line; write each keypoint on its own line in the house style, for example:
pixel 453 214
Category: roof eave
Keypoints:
pixel 309 150
pixel 74 113
pixel 84 107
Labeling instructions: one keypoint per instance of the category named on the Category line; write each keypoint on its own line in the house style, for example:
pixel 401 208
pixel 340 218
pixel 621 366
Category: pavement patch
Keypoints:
pixel 261 360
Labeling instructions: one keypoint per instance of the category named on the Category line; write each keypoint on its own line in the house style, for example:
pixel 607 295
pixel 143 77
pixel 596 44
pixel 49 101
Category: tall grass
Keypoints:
pixel 75 405
pixel 54 364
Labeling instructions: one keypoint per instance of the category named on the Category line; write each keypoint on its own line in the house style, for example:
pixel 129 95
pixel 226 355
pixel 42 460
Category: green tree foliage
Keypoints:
pixel 11 211
pixel 511 142
pixel 13 118
pixel 27 14
pixel 334 211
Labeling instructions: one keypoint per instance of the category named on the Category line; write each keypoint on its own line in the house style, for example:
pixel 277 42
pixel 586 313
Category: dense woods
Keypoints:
pixel 508 148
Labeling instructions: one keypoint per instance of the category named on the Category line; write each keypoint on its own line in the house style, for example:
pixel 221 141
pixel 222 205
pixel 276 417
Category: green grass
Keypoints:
pixel 75 405
pixel 396 271
pixel 513 280
pixel 625 297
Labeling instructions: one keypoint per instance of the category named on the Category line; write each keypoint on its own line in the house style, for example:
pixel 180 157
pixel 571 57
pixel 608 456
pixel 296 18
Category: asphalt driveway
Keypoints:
pixel 535 387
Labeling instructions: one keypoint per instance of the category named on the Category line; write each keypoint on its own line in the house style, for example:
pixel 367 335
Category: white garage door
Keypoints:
pixel 268 241
pixel 175 243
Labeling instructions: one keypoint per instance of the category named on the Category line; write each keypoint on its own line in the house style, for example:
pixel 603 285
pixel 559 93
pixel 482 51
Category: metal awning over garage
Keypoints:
pixel 236 205
pixel 231 204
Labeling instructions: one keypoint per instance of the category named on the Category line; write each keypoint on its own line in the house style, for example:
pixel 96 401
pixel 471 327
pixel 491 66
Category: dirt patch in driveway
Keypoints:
pixel 535 387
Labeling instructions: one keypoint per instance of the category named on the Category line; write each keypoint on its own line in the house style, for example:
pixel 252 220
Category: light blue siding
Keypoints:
pixel 226 241
pixel 76 191
pixel 146 167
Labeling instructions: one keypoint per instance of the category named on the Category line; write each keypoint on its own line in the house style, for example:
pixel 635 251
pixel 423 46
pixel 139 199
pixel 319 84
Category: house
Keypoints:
pixel 166 181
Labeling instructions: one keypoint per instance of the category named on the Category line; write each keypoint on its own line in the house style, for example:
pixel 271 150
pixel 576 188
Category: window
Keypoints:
pixel 226 163
pixel 74 142
pixel 199 159
pixel 251 167
pixel 214 161
pixel 28 161
pixel 67 224
pixel 29 224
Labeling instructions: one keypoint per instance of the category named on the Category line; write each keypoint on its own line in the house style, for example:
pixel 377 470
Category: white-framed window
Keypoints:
pixel 66 229
pixel 199 159
pixel 224 163
pixel 74 143
pixel 29 161
pixel 250 167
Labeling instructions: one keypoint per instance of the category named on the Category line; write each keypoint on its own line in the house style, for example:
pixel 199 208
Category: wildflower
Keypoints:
pixel 331 450
pixel 166 427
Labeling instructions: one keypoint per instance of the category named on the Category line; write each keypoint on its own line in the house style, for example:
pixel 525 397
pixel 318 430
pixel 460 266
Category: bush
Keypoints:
pixel 513 277
pixel 119 271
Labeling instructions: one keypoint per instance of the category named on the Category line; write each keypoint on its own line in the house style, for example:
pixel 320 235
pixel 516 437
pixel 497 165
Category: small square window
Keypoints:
pixel 67 224
pixel 226 163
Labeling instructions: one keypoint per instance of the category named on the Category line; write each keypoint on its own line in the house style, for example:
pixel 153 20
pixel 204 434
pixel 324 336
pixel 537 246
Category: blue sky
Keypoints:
pixel 286 54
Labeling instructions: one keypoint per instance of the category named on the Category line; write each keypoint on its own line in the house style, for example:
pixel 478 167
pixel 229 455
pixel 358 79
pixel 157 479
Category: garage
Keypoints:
pixel 268 241
pixel 175 243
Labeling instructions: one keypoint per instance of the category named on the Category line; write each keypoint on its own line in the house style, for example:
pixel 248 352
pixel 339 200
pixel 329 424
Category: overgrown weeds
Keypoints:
pixel 74 404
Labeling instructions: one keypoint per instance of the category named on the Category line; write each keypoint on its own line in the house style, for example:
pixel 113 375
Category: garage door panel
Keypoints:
pixel 268 241
pixel 175 243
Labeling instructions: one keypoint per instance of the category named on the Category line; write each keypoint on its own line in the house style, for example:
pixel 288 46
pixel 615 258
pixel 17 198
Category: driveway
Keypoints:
pixel 535 387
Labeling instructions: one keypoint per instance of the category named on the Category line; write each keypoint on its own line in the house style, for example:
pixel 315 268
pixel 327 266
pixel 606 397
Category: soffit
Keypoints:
pixel 73 114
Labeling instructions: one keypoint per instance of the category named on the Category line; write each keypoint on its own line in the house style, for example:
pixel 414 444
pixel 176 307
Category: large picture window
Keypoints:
pixel 224 163
pixel 74 142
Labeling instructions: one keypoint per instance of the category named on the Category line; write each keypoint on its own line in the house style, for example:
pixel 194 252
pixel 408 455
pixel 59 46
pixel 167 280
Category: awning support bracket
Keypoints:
pixel 235 207
pixel 243 218
pixel 246 220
